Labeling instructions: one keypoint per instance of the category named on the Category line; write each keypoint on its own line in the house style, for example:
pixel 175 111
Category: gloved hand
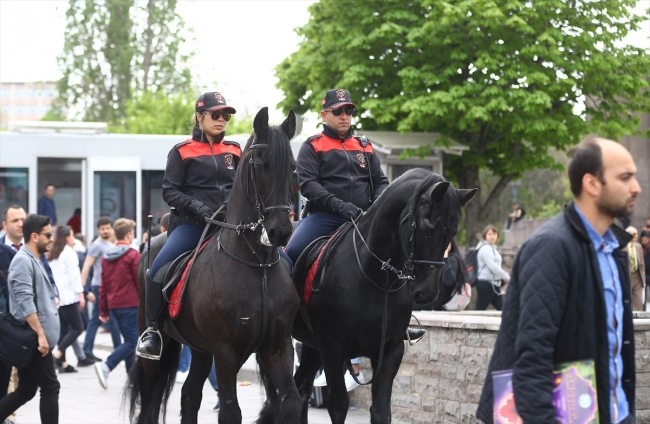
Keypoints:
pixel 348 210
pixel 200 210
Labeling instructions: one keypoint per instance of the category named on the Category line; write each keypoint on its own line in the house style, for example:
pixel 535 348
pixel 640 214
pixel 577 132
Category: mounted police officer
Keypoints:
pixel 198 180
pixel 339 174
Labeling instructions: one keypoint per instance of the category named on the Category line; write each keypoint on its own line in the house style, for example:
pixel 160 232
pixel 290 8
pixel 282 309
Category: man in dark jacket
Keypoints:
pixel 569 296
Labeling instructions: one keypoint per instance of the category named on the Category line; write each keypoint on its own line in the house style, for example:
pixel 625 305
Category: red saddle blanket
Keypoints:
pixel 175 304
pixel 311 273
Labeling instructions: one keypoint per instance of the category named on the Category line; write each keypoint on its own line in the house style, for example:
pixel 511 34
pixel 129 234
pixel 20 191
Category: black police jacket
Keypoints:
pixel 330 169
pixel 555 312
pixel 199 171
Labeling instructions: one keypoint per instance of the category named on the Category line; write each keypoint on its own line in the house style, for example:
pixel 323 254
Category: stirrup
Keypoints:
pixel 147 355
pixel 408 336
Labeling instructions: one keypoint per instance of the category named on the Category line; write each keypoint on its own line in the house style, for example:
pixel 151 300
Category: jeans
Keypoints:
pixel 38 373
pixel 185 237
pixel 186 357
pixel 93 324
pixel 488 293
pixel 213 377
pixel 126 319
pixel 311 227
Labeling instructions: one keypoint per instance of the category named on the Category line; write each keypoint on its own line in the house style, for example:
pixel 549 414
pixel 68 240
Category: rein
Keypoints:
pixel 264 265
pixel 407 273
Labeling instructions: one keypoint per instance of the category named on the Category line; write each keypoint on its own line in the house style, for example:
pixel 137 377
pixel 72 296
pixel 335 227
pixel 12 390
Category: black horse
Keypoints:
pixel 226 314
pixel 364 302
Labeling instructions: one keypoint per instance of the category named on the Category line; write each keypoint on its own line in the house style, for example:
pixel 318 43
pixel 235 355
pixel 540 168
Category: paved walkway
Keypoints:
pixel 83 401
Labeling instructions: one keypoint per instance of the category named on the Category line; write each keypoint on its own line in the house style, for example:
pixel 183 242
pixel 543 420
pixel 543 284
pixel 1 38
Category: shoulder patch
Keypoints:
pixel 314 137
pixel 232 143
pixel 183 143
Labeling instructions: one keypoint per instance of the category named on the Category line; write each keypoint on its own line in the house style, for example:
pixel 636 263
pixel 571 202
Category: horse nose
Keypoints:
pixel 281 236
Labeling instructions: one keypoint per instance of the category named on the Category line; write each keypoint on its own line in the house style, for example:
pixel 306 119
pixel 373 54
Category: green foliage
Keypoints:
pixel 115 48
pixel 503 77
pixel 240 124
pixel 158 113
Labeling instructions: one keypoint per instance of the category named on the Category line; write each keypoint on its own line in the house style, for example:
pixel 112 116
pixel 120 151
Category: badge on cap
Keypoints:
pixel 340 95
pixel 199 104
pixel 218 97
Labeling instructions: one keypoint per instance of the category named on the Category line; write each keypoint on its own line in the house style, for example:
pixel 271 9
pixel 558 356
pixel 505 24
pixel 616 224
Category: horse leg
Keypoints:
pixel 279 364
pixel 192 391
pixel 382 383
pixel 310 363
pixel 333 359
pixel 228 366
pixel 267 414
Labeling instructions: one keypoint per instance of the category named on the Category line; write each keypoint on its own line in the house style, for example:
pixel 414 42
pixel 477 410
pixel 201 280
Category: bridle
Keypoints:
pixel 259 200
pixel 407 274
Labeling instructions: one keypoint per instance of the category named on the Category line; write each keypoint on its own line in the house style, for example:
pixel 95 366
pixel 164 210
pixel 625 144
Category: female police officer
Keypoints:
pixel 198 179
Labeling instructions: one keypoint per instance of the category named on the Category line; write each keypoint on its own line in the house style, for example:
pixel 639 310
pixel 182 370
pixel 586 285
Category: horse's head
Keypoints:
pixel 427 230
pixel 270 165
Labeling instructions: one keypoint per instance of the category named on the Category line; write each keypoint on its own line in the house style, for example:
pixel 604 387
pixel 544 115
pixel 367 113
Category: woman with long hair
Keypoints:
pixel 490 274
pixel 65 268
pixel 452 280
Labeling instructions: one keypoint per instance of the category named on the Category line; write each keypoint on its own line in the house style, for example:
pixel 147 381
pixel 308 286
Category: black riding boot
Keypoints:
pixel 150 343
pixel 414 335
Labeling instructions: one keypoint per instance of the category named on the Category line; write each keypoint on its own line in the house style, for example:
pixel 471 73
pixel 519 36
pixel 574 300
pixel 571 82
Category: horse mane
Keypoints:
pixel 279 153
pixel 449 208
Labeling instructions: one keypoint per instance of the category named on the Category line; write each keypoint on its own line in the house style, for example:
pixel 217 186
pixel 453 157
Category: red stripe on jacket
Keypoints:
pixel 325 144
pixel 195 149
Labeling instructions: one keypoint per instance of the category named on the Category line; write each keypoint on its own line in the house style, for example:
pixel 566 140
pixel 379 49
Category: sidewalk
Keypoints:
pixel 83 401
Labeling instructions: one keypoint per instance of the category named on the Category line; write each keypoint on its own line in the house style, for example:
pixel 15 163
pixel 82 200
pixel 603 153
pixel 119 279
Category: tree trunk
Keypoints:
pixel 148 49
pixel 468 177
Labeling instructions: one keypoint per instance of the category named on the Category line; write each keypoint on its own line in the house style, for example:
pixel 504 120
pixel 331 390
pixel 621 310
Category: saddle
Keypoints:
pixel 175 280
pixel 312 262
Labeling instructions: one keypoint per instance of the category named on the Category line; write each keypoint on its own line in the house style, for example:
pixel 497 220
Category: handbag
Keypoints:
pixel 459 301
pixel 18 342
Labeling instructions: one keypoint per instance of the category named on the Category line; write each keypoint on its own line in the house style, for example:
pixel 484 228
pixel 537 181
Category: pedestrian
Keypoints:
pixel 645 244
pixel 93 260
pixel 75 221
pixel 31 300
pixel 198 178
pixel 516 215
pixel 646 227
pixel 637 269
pixel 452 280
pixel 65 267
pixel 119 295
pixel 46 203
pixel 490 274
pixel 569 297
pixel 6 255
pixel 164 223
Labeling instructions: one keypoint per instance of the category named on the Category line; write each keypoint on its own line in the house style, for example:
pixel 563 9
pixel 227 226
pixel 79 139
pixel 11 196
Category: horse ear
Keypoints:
pixel 464 195
pixel 289 125
pixel 261 122
pixel 438 190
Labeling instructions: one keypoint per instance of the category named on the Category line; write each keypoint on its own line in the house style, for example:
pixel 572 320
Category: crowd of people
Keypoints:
pixel 47 278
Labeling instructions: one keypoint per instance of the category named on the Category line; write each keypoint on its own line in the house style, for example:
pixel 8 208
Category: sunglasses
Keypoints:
pixel 349 110
pixel 217 113
pixel 48 235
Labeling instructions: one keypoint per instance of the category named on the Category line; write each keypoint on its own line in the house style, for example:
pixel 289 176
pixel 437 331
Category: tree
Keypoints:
pixel 158 113
pixel 114 48
pixel 504 77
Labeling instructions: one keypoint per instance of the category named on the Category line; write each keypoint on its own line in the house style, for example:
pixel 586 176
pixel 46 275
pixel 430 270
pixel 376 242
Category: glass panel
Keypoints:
pixel 114 195
pixel 14 183
pixel 152 200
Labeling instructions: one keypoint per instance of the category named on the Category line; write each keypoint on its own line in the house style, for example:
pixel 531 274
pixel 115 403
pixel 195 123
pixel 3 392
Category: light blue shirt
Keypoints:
pixel 604 246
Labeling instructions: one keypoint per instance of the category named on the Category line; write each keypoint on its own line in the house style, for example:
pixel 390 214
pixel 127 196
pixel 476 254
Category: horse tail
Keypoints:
pixel 158 384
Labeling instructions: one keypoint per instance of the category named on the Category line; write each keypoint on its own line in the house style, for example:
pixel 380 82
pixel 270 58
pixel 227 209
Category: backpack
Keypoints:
pixel 471 262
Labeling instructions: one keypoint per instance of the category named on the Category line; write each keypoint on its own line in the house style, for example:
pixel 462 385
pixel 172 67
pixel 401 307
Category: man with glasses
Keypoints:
pixel 32 300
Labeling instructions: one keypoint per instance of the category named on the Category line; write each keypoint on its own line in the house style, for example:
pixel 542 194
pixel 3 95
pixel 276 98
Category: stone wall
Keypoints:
pixel 441 378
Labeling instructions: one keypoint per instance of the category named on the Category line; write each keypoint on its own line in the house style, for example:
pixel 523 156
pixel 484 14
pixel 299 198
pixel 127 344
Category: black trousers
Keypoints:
pixel 38 373
pixel 5 376
pixel 488 294
pixel 71 326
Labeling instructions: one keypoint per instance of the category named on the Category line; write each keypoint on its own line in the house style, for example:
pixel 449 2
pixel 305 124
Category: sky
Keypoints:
pixel 237 44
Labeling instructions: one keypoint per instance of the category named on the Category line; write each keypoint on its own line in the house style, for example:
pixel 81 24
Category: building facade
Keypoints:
pixel 25 101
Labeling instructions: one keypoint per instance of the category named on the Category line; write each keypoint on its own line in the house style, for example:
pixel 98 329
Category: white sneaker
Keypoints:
pixel 320 381
pixel 181 376
pixel 349 381
pixel 102 371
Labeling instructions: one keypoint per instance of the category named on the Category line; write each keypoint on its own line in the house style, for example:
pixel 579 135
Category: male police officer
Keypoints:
pixel 338 173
